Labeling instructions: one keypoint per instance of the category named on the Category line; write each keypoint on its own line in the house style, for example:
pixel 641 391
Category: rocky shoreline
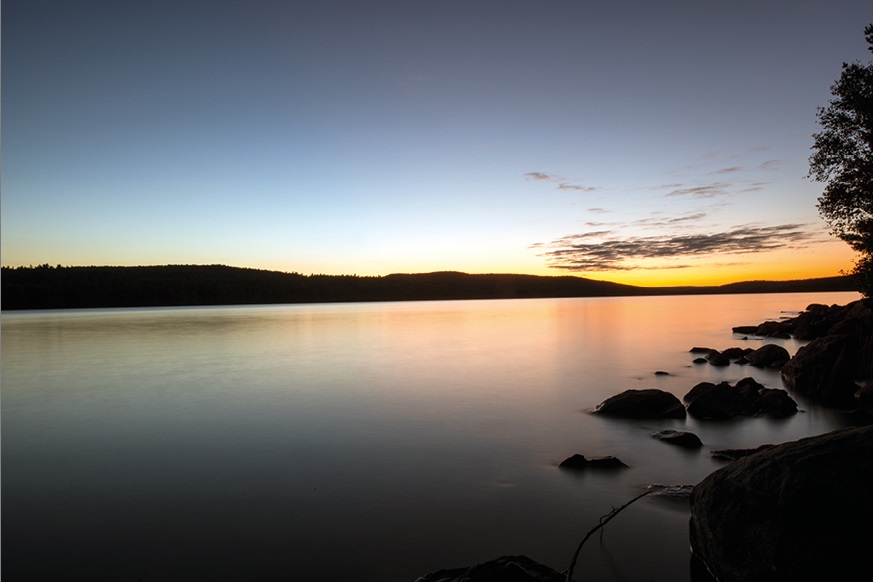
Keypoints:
pixel 776 512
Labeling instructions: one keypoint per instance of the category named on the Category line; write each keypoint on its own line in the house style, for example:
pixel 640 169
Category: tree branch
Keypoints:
pixel 603 521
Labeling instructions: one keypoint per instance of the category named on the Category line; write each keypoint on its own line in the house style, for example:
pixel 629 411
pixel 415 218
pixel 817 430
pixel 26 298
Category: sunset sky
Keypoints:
pixel 642 142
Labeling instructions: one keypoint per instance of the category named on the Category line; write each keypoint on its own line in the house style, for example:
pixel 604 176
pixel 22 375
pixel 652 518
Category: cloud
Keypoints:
pixel 708 191
pixel 730 170
pixel 560 183
pixel 578 252
pixel 565 186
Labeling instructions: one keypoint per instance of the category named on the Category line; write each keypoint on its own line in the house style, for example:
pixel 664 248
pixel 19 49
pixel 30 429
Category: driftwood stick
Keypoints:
pixel 603 521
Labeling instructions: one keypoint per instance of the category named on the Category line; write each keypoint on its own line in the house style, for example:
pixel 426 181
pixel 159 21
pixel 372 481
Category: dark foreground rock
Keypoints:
pixel 503 569
pixel 646 403
pixel 578 462
pixel 797 511
pixel 734 454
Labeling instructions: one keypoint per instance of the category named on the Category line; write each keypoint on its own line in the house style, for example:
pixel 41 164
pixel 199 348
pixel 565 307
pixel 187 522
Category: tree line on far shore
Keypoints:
pixel 59 287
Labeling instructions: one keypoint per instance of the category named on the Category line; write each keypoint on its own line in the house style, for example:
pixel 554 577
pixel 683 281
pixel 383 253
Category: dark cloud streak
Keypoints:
pixel 577 253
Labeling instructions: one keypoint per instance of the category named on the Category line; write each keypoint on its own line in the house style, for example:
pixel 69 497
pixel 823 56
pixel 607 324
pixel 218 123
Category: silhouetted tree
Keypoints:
pixel 843 159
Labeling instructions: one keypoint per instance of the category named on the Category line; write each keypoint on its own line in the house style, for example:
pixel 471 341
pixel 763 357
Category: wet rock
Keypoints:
pixel 503 569
pixel 662 373
pixel 680 438
pixel 768 356
pixel 745 329
pixel 646 403
pixel 700 361
pixel 797 511
pixel 748 397
pixel 701 350
pixel 832 368
pixel 579 462
pixel 735 353
pixel 734 454
pixel 718 359
pixel 697 391
pixel 710 401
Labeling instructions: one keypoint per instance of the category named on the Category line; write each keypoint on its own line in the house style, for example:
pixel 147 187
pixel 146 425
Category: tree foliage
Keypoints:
pixel 843 159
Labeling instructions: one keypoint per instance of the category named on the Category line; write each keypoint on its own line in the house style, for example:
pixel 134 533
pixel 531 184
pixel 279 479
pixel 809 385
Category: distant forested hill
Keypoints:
pixel 47 287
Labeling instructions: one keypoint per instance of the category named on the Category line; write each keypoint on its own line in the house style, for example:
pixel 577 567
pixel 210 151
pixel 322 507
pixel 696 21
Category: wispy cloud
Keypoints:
pixel 728 170
pixel 560 183
pixel 706 191
pixel 582 252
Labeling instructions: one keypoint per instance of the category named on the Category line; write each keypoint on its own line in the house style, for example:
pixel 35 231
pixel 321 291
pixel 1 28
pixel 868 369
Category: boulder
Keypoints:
pixel 749 397
pixel 758 400
pixel 734 454
pixel 579 462
pixel 768 356
pixel 503 569
pixel 718 359
pixel 713 401
pixel 831 369
pixel 680 438
pixel 797 511
pixel 646 403
pixel 697 391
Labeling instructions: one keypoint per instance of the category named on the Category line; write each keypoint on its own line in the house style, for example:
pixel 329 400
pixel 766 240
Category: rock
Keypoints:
pixel 829 369
pixel 681 438
pixel 735 353
pixel 697 391
pixel 662 373
pixel 734 454
pixel 700 361
pixel 833 367
pixel 718 359
pixel 775 329
pixel 749 397
pixel 579 462
pixel 774 403
pixel 713 401
pixel 700 350
pixel 503 569
pixel 745 329
pixel 646 403
pixel 797 511
pixel 768 356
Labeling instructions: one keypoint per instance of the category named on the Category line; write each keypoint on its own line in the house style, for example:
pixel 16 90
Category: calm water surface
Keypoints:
pixel 373 441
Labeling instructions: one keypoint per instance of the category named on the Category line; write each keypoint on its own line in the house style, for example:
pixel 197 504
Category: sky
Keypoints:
pixel 651 143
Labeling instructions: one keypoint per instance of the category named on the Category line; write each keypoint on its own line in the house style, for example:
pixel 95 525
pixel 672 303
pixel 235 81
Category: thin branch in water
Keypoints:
pixel 603 521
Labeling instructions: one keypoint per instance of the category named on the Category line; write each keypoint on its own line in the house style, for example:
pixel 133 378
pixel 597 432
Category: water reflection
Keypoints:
pixel 369 441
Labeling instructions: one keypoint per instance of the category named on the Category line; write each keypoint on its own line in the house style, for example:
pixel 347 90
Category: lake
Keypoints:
pixel 367 441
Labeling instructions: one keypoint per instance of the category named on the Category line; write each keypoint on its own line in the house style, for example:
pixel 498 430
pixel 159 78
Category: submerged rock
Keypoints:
pixel 646 403
pixel 680 438
pixel 797 511
pixel 579 462
pixel 503 569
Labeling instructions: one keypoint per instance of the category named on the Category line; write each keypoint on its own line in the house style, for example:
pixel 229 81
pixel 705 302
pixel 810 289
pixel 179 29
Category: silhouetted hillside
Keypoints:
pixel 46 287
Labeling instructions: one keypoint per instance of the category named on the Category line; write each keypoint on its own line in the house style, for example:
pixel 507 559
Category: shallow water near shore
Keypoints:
pixel 369 441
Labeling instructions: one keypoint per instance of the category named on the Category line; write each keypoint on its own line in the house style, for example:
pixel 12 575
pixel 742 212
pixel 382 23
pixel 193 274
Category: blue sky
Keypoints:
pixel 643 142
